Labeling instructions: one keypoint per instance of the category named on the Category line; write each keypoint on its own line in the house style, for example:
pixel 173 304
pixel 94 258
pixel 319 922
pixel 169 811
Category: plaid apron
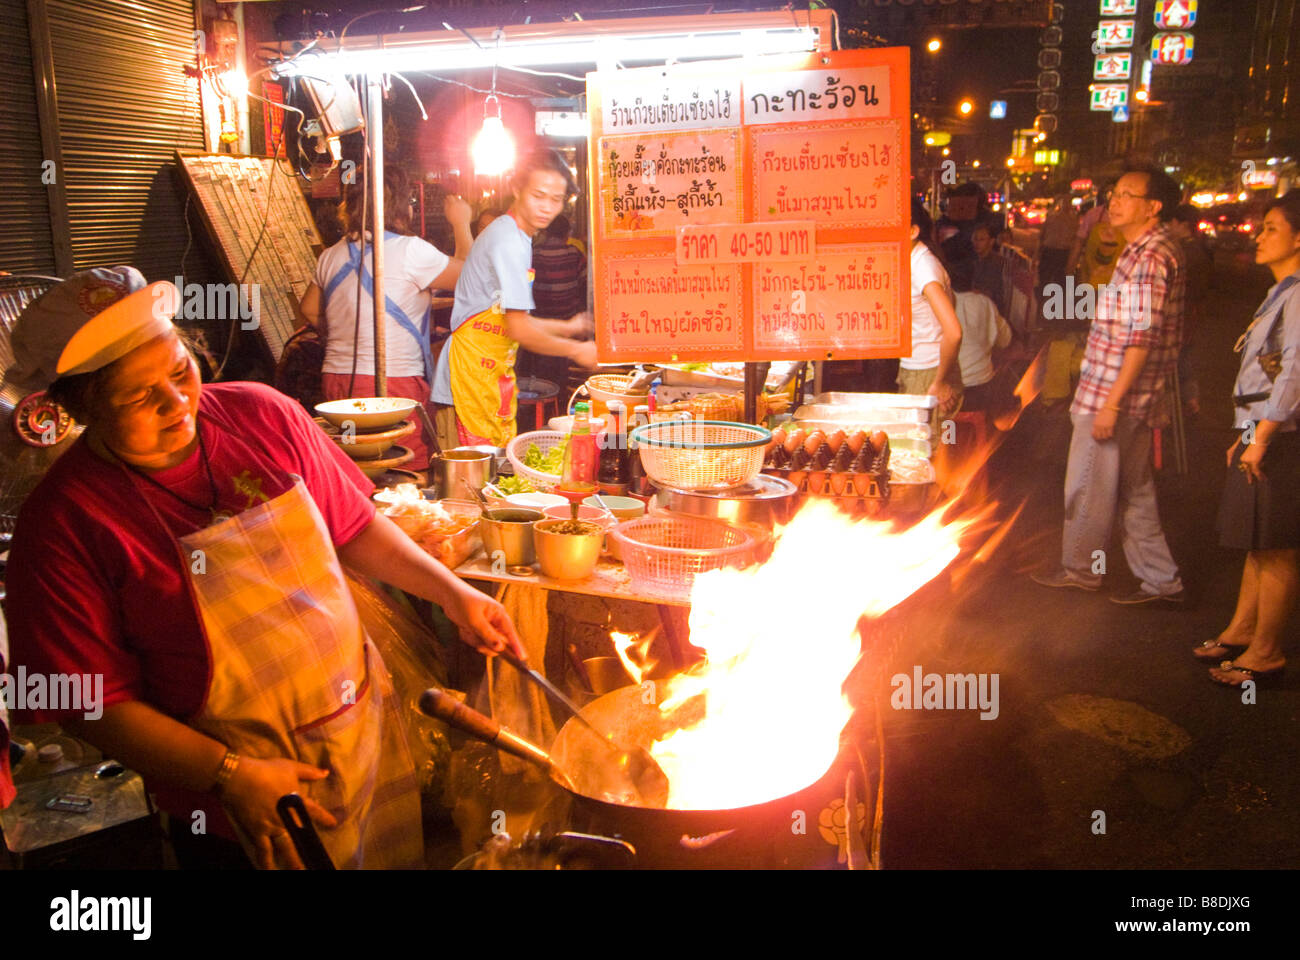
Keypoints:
pixel 293 675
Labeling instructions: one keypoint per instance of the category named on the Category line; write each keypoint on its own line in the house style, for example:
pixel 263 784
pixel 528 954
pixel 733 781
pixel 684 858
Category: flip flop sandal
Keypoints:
pixel 1262 678
pixel 1203 651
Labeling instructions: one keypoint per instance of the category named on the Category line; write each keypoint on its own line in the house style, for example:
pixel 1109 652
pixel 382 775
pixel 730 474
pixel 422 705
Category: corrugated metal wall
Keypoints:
pixel 26 245
pixel 124 107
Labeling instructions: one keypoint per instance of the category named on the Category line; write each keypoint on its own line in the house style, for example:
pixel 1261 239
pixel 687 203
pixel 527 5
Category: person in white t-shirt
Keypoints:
pixel 413 269
pixel 936 332
pixel 983 330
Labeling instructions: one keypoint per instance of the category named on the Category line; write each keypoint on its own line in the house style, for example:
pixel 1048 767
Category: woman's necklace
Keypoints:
pixel 217 515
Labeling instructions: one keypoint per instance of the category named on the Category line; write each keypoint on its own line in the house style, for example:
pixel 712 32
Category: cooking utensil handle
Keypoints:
pixel 579 667
pixel 293 814
pixel 442 706
pixel 432 431
pixel 556 694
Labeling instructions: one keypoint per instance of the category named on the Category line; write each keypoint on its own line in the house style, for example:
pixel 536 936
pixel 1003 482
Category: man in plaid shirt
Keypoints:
pixel 1132 351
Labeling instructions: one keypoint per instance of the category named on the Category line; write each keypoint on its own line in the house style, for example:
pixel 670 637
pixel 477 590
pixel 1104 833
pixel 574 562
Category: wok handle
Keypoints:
pixel 442 706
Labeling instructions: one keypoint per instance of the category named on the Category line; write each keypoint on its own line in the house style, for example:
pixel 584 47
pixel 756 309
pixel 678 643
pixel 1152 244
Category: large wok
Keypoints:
pixel 804 829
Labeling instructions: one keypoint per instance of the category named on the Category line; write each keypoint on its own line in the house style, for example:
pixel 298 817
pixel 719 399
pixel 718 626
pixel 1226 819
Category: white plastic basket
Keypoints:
pixel 545 440
pixel 701 454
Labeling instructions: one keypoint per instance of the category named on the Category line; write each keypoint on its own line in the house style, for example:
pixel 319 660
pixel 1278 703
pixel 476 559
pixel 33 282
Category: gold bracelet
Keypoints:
pixel 229 763
pixel 1111 406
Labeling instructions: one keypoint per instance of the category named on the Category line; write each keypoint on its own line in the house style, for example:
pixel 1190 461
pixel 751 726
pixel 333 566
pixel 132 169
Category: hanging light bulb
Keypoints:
pixel 493 150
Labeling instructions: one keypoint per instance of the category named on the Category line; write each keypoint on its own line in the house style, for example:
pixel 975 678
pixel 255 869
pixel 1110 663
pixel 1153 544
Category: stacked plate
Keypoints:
pixel 367 430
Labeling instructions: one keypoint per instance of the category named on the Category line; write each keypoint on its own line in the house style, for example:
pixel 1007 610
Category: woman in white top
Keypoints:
pixel 413 268
pixel 936 332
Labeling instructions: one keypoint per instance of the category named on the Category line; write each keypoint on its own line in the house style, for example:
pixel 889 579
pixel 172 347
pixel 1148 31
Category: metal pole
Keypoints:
pixel 47 111
pixel 375 135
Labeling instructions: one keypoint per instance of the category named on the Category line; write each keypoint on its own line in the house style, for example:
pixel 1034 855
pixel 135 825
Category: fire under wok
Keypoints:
pixel 820 825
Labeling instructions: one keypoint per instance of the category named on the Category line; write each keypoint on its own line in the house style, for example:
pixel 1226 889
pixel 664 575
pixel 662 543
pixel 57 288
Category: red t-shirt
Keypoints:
pixel 95 583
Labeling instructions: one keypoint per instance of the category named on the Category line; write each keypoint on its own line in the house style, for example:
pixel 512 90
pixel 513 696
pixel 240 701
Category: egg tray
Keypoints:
pixel 870 473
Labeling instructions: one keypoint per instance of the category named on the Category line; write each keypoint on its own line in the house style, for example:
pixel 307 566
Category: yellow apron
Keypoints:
pixel 293 675
pixel 482 364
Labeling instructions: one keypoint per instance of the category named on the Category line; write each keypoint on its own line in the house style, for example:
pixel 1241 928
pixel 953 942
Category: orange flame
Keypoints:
pixel 627 644
pixel 1027 390
pixel 781 638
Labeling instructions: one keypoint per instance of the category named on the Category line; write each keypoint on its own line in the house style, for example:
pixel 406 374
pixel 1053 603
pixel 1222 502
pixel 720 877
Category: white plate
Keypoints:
pixel 367 413
pixel 539 500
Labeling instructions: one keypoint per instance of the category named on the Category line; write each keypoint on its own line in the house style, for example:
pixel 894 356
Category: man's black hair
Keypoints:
pixel 545 158
pixel 1160 186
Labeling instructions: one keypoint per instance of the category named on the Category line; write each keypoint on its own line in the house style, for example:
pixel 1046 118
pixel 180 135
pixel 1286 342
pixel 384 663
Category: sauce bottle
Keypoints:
pixel 612 474
pixel 636 471
pixel 578 475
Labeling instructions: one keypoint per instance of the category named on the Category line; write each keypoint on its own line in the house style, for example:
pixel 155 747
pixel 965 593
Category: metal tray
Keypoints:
pixel 878 401
pixel 673 377
pixel 912 445
pixel 862 417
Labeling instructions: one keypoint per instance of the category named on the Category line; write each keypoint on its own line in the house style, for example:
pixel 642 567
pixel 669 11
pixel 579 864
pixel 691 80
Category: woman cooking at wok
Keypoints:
pixel 187 547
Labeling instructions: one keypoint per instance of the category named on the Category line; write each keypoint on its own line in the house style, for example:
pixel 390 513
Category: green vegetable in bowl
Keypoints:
pixel 551 462
pixel 515 484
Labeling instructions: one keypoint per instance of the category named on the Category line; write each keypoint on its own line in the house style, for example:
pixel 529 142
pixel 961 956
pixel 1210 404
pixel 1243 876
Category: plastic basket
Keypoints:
pixel 545 440
pixel 663 553
pixel 701 454
pixel 613 386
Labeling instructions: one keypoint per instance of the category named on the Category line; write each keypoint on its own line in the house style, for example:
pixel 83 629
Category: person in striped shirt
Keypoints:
pixel 1131 353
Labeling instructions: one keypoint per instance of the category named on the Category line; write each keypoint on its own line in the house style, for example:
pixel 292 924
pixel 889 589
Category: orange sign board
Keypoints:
pixel 752 210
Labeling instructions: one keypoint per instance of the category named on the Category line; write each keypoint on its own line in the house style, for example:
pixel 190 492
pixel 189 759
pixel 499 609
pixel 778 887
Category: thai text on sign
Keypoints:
pixel 817 95
pixel 697 310
pixel 851 292
pixel 675 104
pixel 652 184
pixel 848 175
pixel 746 242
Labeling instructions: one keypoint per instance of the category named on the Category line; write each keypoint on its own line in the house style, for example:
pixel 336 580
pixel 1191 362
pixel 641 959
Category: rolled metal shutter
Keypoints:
pixel 26 244
pixel 125 106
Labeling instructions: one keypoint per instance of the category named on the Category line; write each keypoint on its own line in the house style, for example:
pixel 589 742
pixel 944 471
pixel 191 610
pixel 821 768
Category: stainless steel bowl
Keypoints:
pixel 459 472
pixel 765 500
pixel 510 531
